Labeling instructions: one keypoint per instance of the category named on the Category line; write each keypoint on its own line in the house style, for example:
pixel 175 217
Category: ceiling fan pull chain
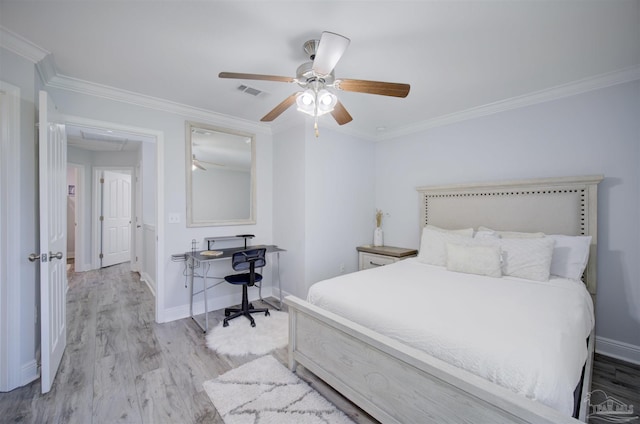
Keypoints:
pixel 315 127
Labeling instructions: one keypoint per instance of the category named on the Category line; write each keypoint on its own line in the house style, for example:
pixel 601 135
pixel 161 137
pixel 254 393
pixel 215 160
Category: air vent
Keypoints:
pixel 249 90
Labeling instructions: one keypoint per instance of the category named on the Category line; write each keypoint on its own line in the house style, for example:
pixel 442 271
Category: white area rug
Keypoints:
pixel 240 338
pixel 264 391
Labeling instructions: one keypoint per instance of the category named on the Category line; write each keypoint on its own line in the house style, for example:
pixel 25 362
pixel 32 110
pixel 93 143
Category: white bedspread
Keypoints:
pixel 528 336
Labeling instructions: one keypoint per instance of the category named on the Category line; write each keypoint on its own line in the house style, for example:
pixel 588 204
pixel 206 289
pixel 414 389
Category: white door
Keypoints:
pixel 53 243
pixel 116 218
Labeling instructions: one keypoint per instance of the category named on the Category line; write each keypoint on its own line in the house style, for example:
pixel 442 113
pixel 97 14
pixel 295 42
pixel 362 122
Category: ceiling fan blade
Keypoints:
pixel 198 165
pixel 330 50
pixel 235 75
pixel 340 114
pixel 284 105
pixel 392 89
pixel 212 163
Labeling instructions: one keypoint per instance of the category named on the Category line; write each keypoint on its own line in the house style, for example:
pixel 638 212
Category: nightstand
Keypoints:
pixel 373 256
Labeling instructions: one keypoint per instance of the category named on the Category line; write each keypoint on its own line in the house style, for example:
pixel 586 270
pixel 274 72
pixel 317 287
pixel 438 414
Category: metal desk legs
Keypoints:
pixel 206 267
pixel 279 307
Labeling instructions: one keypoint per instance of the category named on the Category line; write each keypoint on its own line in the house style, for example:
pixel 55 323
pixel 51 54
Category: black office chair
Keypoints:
pixel 242 261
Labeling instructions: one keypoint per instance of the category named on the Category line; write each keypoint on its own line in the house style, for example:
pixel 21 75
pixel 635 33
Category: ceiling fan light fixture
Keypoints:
pixel 316 103
pixel 326 101
pixel 306 102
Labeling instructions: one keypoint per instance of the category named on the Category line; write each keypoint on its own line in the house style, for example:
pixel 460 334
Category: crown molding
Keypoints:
pixel 584 85
pixel 21 46
pixel 111 93
pixel 46 68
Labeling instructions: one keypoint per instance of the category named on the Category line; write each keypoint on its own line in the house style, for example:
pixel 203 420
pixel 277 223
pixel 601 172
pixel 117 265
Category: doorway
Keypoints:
pixel 75 216
pixel 139 151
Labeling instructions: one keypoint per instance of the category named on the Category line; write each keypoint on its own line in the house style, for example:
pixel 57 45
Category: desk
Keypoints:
pixel 195 259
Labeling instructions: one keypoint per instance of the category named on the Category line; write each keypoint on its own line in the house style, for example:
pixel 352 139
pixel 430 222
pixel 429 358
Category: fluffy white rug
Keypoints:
pixel 264 391
pixel 240 338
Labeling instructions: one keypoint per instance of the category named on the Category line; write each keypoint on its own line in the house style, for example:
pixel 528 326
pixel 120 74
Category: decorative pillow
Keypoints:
pixel 486 235
pixel 474 259
pixel 432 245
pixel 510 234
pixel 570 255
pixel 466 232
pixel 528 258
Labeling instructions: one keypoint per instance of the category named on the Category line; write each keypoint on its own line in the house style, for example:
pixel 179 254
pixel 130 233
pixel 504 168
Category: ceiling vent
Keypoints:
pixel 249 90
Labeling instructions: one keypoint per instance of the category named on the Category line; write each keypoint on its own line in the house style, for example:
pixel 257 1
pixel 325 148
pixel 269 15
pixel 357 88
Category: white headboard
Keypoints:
pixel 566 205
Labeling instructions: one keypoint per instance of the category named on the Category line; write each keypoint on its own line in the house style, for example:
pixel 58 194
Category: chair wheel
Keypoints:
pixel 266 314
pixel 227 313
pixel 225 324
pixel 253 324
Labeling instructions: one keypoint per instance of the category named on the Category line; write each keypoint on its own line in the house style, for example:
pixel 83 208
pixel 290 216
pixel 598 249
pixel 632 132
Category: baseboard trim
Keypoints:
pixel 619 350
pixel 149 282
pixel 214 304
pixel 29 372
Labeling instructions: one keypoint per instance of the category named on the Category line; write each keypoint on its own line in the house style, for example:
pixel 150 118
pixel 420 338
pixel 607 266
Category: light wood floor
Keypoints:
pixel 120 366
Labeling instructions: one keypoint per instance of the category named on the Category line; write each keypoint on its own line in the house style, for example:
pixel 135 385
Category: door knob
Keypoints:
pixel 55 255
pixel 33 257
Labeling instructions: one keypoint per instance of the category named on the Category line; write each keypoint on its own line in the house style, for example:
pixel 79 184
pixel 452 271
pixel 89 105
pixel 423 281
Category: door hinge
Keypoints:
pixel 101 180
pixel 101 218
pixel 101 256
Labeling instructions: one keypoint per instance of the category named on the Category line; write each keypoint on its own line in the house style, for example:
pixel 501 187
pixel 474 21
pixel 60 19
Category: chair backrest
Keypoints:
pixel 243 260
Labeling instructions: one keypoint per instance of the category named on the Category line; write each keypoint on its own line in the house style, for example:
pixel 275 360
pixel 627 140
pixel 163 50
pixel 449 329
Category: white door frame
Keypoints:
pixel 136 251
pixel 159 206
pixel 96 224
pixel 10 275
pixel 80 229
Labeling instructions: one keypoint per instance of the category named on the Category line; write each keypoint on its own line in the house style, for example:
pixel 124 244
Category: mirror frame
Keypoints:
pixel 189 126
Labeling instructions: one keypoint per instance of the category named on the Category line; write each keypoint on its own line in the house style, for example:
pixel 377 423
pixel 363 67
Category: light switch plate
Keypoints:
pixel 174 218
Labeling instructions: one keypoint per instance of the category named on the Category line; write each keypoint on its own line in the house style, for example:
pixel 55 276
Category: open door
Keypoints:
pixel 53 243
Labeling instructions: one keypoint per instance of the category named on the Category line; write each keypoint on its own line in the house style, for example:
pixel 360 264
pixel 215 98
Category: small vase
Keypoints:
pixel 378 237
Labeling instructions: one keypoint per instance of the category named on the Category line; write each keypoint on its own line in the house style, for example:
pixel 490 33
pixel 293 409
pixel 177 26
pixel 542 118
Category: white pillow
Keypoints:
pixel 528 258
pixel 432 245
pixel 466 232
pixel 474 259
pixel 570 255
pixel 510 234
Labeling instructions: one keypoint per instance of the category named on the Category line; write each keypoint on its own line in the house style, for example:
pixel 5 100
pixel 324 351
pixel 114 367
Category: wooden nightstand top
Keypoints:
pixel 396 252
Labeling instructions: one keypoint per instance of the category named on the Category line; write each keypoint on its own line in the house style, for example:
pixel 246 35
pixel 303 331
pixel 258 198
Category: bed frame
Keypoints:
pixel 396 383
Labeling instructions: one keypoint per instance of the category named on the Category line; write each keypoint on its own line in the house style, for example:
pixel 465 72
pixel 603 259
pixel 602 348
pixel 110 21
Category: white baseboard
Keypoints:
pixel 214 304
pixel 29 372
pixel 619 350
pixel 149 282
pixel 82 268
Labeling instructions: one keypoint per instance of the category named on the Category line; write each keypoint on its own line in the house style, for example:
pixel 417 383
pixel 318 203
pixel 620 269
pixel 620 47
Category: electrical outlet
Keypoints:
pixel 174 218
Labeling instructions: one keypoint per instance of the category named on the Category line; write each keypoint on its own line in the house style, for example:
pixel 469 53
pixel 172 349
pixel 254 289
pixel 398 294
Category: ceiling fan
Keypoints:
pixel 198 164
pixel 316 76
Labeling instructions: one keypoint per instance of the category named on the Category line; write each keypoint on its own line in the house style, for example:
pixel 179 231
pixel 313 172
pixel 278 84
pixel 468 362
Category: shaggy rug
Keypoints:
pixel 264 391
pixel 240 338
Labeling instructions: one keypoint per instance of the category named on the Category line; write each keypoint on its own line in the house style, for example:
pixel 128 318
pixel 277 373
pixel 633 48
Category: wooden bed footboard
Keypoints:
pixel 399 384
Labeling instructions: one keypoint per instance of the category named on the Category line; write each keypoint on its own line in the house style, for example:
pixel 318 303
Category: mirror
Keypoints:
pixel 220 176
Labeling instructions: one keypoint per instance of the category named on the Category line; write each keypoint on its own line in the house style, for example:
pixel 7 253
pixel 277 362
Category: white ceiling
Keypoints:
pixel 456 55
pixel 103 140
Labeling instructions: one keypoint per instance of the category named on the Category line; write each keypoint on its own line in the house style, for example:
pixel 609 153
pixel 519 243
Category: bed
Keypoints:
pixel 397 381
